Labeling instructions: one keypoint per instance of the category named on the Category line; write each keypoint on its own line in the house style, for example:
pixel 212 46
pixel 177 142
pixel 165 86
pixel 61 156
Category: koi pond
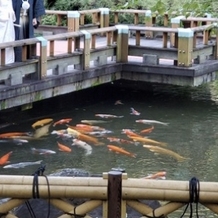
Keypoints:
pixel 190 116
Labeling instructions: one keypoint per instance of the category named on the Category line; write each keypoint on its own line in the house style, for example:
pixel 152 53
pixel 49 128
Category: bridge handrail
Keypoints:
pixel 154 29
pixel 200 19
pixel 204 28
pixel 59 12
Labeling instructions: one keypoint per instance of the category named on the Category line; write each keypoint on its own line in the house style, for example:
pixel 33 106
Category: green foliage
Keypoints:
pixel 49 20
pixel 160 7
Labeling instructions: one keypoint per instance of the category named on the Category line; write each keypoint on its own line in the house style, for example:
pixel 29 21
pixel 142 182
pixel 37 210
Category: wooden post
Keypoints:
pixel 104 17
pixel 73 21
pixel 122 43
pixel 215 52
pixel 175 23
pixel 3 57
pixel 166 18
pixel 86 50
pixel 43 57
pixel 185 47
pixel 114 194
pixel 148 22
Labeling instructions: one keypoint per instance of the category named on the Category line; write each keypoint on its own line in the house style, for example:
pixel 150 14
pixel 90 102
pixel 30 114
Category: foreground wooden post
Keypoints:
pixel 114 194
pixel 86 50
pixel 73 21
pixel 175 23
pixel 148 23
pixel 43 57
pixel 122 43
pixel 185 47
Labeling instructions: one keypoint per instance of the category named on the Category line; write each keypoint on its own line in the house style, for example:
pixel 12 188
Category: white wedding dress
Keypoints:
pixel 7 34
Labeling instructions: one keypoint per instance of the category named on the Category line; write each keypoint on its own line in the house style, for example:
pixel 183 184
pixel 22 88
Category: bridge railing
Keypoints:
pixel 114 191
pixel 102 17
pixel 82 52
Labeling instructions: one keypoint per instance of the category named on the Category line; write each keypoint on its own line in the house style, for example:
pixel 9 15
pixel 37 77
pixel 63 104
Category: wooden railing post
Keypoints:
pixel 185 47
pixel 86 50
pixel 114 194
pixel 104 17
pixel 215 52
pixel 175 23
pixel 148 23
pixel 122 43
pixel 43 57
pixel 73 21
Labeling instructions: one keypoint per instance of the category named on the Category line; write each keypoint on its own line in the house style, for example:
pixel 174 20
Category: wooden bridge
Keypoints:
pixel 81 55
pixel 113 192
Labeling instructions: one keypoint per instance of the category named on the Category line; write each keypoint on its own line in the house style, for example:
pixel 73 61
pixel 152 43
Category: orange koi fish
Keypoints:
pixel 129 133
pixel 158 175
pixel 86 126
pixel 108 116
pixel 42 122
pixel 11 134
pixel 89 139
pixel 62 121
pixel 4 159
pixel 147 141
pixel 120 151
pixel 119 140
pixel 79 129
pixel 134 112
pixel 64 147
pixel 160 150
pixel 148 130
pixel 78 135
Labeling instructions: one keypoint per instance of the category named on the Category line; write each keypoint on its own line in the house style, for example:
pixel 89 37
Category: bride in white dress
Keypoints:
pixel 7 34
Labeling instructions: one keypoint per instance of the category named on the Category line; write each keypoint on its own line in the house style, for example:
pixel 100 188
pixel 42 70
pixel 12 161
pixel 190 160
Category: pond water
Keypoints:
pixel 191 114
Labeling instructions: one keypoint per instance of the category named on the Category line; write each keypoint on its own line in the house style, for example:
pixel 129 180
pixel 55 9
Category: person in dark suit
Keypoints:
pixel 28 13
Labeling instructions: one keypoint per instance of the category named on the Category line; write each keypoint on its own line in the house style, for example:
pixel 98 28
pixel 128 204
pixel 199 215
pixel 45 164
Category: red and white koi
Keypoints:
pixel 118 102
pixel 134 112
pixel 158 175
pixel 121 141
pixel 62 121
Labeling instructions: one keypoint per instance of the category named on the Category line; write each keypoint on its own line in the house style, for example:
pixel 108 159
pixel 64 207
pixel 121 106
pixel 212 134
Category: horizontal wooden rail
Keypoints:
pixel 96 188
pixel 203 28
pixel 154 29
pixel 201 19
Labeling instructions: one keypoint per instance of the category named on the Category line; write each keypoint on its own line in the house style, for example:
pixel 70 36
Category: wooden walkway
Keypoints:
pixel 58 68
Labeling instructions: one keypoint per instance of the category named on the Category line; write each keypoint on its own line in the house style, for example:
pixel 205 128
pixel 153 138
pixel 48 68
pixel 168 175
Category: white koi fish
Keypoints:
pixel 151 121
pixel 22 164
pixel 108 116
pixel 42 151
pixel 84 145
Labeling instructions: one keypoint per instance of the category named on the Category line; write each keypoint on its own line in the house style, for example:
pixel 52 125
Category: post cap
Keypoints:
pixel 177 19
pixel 86 33
pixel 73 14
pixel 104 10
pixel 42 40
pixel 122 29
pixel 187 33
